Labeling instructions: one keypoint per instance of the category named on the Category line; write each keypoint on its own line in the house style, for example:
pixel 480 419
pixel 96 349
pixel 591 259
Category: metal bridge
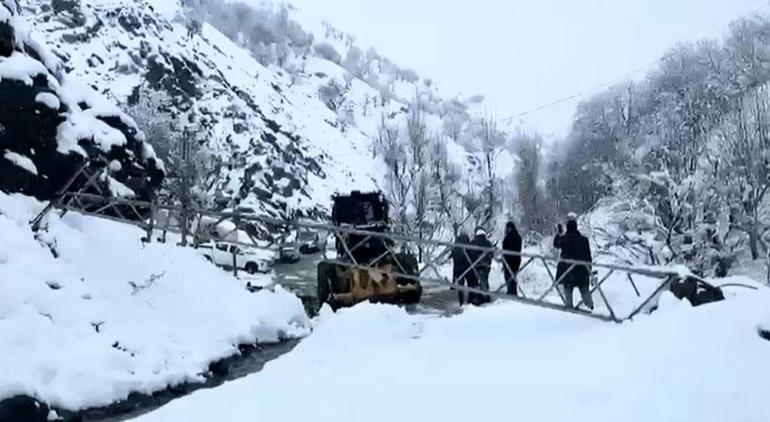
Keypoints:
pixel 624 291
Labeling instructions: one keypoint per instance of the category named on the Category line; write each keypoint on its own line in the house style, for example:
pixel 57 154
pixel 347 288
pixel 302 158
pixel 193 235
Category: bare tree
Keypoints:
pixel 417 141
pixel 491 144
pixel 192 171
pixel 531 198
pixel 743 143
pixel 398 184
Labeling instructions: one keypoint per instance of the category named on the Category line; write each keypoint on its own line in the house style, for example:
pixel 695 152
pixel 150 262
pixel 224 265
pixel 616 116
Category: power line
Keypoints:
pixel 576 95
pixel 617 80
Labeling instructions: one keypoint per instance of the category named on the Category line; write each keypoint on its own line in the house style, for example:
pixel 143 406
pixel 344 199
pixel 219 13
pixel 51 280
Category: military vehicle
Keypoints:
pixel 364 268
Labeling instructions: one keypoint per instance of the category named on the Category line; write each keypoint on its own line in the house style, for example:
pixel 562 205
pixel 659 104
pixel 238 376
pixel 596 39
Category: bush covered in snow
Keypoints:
pixel 327 52
pixel 50 124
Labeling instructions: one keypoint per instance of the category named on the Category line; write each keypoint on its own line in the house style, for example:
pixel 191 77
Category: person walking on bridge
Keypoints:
pixel 481 260
pixel 461 266
pixel 511 263
pixel 557 242
pixel 574 247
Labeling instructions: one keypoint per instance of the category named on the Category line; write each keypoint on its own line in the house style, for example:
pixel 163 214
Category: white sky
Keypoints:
pixel 522 54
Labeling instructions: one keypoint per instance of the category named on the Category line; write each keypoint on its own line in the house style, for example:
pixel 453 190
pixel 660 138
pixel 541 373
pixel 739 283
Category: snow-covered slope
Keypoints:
pixel 509 361
pixel 50 123
pixel 289 133
pixel 89 314
pixel 277 141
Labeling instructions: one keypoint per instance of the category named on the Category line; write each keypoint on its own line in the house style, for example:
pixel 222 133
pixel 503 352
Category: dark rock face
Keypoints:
pixel 36 157
pixel 696 292
pixel 22 408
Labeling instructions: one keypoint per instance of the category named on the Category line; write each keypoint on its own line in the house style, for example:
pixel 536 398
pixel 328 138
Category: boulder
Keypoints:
pixel 50 125
pixel 695 291
pixel 23 408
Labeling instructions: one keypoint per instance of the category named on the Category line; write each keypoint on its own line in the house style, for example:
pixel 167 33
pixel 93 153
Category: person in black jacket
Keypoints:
pixel 482 264
pixel 557 242
pixel 461 265
pixel 575 247
pixel 511 263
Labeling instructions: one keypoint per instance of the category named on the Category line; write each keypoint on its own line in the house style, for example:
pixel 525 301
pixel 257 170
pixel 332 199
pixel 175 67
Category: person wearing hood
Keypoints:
pixel 557 241
pixel 560 230
pixel 461 265
pixel 511 263
pixel 575 247
pixel 481 261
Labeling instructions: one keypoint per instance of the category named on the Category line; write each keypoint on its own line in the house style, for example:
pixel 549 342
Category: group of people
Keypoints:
pixel 473 265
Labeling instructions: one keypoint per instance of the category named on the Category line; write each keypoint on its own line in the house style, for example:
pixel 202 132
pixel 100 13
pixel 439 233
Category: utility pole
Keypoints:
pixel 185 174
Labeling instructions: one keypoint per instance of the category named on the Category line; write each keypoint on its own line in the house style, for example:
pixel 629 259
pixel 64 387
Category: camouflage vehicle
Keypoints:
pixel 364 268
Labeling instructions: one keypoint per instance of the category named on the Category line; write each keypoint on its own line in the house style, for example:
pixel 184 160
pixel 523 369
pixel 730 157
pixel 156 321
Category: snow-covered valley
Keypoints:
pixel 256 108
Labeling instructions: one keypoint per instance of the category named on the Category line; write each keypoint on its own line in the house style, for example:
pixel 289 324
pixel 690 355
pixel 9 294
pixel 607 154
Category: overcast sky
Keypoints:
pixel 522 54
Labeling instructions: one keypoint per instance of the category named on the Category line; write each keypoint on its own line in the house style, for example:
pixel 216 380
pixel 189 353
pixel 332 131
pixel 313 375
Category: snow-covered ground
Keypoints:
pixel 509 362
pixel 109 315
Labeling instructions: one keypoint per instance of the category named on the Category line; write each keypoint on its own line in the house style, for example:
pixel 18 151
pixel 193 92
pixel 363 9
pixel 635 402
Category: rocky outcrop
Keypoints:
pixel 23 408
pixel 50 124
pixel 696 292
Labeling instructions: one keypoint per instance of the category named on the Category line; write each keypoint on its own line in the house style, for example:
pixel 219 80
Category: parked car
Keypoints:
pixel 289 252
pixel 251 260
pixel 309 242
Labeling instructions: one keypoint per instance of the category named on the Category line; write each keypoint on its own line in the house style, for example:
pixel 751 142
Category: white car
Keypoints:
pixel 251 260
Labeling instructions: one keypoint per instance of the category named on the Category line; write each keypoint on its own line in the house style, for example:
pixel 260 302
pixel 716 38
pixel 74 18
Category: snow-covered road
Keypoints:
pixel 507 361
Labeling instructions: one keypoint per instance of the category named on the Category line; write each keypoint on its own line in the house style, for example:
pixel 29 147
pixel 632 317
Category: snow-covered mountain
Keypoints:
pixel 292 120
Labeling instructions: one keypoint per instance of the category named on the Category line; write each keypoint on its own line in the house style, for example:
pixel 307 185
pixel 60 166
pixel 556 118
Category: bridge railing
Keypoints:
pixel 620 292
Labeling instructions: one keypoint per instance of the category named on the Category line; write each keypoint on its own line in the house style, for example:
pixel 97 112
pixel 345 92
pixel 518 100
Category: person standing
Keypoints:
pixel 482 264
pixel 575 247
pixel 461 265
pixel 511 263
pixel 557 242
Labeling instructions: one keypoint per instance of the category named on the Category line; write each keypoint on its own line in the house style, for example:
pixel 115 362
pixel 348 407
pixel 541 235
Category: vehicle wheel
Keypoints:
pixel 410 265
pixel 326 276
pixel 252 268
pixel 208 258
pixel 411 297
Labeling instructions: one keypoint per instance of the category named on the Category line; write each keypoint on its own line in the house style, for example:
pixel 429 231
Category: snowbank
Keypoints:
pixel 111 316
pixel 507 361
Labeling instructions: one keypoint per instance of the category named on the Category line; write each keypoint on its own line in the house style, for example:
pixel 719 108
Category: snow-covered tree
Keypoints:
pixel 328 52
pixel 531 198
pixel 192 170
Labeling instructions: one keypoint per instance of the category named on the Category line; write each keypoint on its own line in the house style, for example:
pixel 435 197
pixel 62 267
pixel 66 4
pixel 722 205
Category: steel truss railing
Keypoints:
pixel 178 220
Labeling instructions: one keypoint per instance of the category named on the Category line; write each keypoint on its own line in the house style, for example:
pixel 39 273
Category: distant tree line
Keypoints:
pixel 690 143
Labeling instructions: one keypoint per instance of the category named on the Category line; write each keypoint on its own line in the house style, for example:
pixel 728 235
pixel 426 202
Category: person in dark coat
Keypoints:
pixel 461 265
pixel 557 242
pixel 511 263
pixel 483 264
pixel 575 247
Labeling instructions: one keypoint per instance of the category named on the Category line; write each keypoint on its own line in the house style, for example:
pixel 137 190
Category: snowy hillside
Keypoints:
pixel 50 123
pixel 679 364
pixel 136 47
pixel 287 133
pixel 90 314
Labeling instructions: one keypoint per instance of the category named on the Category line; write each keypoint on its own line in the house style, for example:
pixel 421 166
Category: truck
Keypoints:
pixel 251 260
pixel 366 268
